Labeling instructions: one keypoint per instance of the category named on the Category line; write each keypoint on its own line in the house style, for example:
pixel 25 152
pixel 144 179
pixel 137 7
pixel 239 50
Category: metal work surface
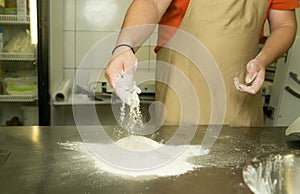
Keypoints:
pixel 41 162
pixel 274 173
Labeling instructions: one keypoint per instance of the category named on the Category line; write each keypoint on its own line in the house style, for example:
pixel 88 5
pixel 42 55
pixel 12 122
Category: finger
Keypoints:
pixel 253 88
pixel 252 71
pixel 248 89
pixel 253 66
pixel 251 76
pixel 137 90
pixel 237 84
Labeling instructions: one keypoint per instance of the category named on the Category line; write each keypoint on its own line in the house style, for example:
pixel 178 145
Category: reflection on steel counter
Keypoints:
pixel 40 164
pixel 274 173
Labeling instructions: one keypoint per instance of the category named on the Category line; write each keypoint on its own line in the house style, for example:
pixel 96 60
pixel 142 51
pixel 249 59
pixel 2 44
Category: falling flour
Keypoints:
pixel 130 117
pixel 178 166
pixel 131 120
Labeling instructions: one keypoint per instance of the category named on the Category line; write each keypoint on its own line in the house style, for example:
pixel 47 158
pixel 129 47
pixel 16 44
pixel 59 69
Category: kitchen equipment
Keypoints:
pixel 21 59
pixel 58 162
pixel 63 91
pixel 4 154
pixel 276 173
pixel 285 90
pixel 294 128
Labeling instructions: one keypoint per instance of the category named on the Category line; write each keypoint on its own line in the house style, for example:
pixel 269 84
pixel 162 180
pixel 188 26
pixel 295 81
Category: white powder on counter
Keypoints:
pixel 138 143
pixel 178 166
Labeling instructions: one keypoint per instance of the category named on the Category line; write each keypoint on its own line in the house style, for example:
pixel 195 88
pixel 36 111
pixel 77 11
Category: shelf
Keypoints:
pixel 11 98
pixel 17 56
pixel 85 100
pixel 14 19
pixel 81 99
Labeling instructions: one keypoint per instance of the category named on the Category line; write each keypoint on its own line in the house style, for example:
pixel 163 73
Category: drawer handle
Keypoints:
pixel 293 92
pixel 294 76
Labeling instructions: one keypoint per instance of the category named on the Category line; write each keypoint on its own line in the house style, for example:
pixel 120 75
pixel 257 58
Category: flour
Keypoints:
pixel 128 92
pixel 138 143
pixel 178 166
pixel 131 119
pixel 127 89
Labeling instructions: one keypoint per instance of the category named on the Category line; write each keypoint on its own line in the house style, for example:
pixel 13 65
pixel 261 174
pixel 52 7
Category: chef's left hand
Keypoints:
pixel 254 79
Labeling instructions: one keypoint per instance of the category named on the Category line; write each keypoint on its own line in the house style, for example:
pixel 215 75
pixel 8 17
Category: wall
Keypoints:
pixel 90 22
pixel 56 55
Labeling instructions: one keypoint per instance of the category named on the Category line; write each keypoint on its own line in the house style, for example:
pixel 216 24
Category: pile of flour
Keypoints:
pixel 138 143
pixel 178 166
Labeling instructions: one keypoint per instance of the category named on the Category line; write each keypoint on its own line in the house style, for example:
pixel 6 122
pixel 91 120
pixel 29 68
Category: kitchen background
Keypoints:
pixel 77 25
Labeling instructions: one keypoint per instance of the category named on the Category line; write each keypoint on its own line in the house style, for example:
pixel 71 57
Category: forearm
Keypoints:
pixel 280 39
pixel 140 21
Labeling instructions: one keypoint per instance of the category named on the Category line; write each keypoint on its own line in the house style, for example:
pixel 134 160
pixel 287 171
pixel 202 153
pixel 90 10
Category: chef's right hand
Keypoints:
pixel 122 60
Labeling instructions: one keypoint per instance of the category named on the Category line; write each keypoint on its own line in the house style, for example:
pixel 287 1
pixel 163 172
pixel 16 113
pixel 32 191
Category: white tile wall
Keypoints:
pixel 69 14
pixel 69 73
pixel 100 15
pixel 69 49
pixel 90 32
pixel 87 40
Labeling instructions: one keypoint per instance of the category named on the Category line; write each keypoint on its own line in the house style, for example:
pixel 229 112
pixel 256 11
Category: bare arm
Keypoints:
pixel 283 27
pixel 140 21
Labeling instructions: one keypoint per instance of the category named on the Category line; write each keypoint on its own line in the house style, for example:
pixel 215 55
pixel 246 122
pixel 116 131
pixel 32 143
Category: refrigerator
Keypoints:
pixel 24 87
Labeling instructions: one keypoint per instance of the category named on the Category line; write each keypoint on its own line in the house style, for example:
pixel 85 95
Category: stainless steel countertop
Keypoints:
pixel 39 163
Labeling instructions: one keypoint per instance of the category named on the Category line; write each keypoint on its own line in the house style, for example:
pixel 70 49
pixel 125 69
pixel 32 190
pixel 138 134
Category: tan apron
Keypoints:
pixel 230 30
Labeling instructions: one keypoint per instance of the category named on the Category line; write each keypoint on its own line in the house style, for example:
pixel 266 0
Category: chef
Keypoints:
pixel 231 30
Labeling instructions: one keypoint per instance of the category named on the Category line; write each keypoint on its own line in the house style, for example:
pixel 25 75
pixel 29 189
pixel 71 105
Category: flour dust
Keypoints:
pixel 131 119
pixel 180 165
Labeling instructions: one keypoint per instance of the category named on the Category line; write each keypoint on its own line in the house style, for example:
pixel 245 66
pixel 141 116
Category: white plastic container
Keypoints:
pixel 21 86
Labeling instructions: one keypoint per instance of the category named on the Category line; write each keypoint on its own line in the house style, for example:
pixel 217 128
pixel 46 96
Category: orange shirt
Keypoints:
pixel 283 4
pixel 177 9
pixel 279 5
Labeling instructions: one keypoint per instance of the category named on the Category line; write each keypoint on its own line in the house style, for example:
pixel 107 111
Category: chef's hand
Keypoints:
pixel 122 60
pixel 120 74
pixel 127 90
pixel 254 79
